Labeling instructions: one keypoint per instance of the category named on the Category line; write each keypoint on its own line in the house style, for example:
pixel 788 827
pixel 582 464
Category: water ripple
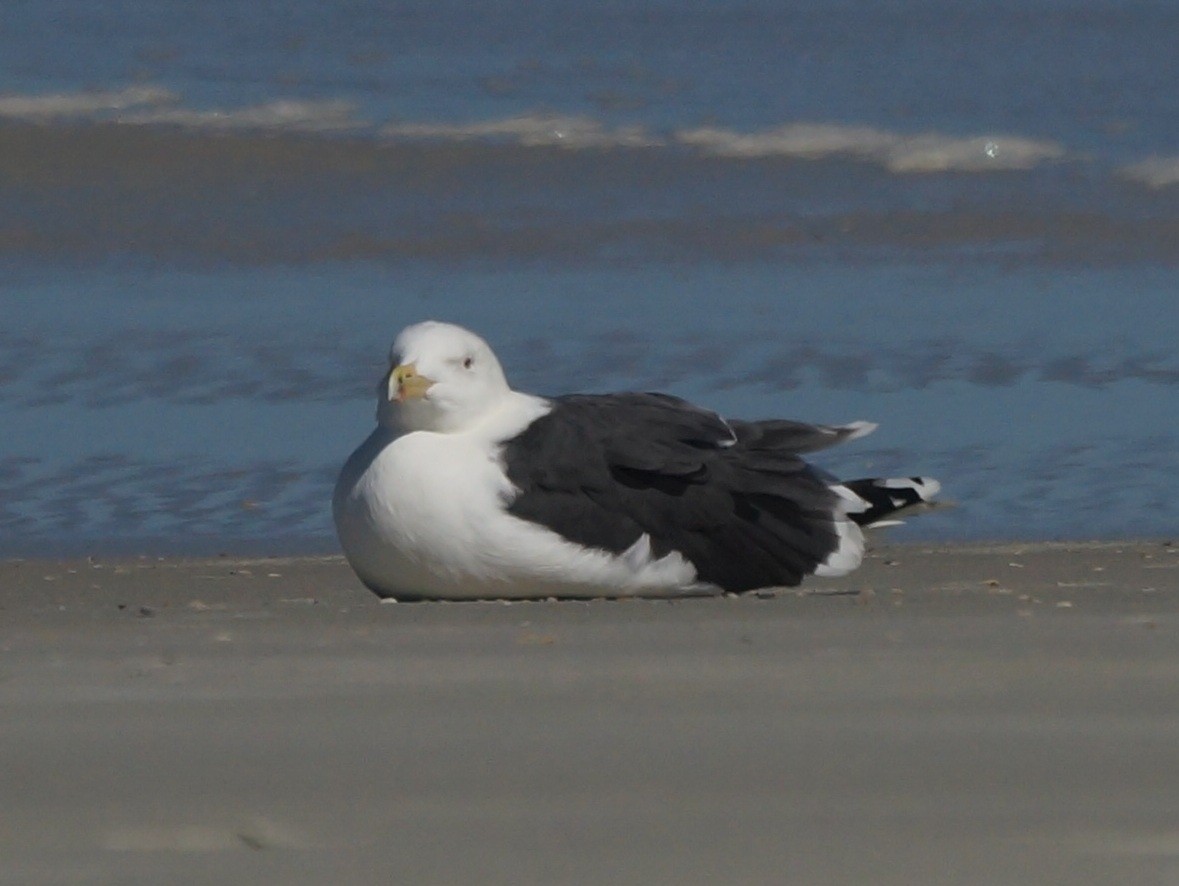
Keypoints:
pixel 210 367
pixel 110 497
pixel 113 496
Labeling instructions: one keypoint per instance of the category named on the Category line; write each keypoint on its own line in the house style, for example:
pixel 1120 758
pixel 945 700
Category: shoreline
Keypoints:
pixel 928 567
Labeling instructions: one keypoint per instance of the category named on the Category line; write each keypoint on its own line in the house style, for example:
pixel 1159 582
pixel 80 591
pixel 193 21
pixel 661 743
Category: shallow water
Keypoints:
pixel 960 220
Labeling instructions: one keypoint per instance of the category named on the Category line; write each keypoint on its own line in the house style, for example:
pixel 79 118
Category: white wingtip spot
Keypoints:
pixel 929 488
pixel 925 487
pixel 857 429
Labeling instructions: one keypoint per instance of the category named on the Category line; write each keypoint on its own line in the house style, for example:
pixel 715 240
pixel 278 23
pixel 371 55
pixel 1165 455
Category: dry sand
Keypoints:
pixel 990 715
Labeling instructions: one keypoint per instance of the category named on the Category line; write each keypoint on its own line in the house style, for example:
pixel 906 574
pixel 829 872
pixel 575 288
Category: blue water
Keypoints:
pixel 958 219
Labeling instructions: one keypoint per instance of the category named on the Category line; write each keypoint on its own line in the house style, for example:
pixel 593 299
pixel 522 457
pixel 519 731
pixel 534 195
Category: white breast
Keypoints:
pixel 404 506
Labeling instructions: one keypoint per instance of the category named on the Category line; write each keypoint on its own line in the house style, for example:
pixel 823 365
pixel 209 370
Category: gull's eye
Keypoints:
pixel 468 362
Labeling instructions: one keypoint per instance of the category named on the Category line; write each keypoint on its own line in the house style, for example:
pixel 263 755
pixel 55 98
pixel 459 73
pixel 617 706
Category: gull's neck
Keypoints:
pixel 509 417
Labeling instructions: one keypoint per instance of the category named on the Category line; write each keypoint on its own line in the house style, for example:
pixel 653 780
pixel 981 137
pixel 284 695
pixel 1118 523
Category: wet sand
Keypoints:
pixel 951 715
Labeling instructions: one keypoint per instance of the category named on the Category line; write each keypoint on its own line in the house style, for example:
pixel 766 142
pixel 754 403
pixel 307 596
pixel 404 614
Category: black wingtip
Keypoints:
pixel 889 497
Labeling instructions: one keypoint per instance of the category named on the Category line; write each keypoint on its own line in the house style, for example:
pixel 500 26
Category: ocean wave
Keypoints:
pixel 205 368
pixel 897 152
pixel 809 141
pixel 1154 172
pixel 532 130
pixel 927 152
pixel 329 115
pixel 98 105
pixel 156 106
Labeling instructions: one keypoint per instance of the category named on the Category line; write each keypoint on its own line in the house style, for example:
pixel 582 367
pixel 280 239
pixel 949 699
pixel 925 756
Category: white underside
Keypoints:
pixel 422 515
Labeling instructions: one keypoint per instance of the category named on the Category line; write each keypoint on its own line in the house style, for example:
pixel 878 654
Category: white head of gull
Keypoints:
pixel 442 378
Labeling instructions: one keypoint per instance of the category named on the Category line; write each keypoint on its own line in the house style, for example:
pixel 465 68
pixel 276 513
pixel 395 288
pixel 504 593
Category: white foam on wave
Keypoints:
pixel 303 116
pixel 1154 172
pixel 897 152
pixel 83 104
pixel 927 152
pixel 939 153
pixel 154 105
pixel 531 130
pixel 806 140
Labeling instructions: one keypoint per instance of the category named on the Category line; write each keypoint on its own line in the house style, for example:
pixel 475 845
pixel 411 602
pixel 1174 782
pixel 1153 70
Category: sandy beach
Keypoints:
pixel 953 715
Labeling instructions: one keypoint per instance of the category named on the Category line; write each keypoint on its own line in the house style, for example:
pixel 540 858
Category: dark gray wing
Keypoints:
pixel 734 498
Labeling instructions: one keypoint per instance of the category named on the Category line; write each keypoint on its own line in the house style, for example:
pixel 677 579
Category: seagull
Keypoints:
pixel 467 489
